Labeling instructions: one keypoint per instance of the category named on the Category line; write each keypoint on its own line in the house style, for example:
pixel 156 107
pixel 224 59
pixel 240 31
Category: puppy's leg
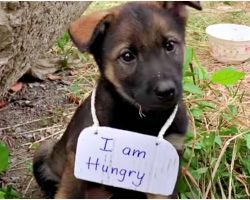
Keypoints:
pixel 156 196
pixel 177 140
pixel 45 170
pixel 48 165
pixel 72 188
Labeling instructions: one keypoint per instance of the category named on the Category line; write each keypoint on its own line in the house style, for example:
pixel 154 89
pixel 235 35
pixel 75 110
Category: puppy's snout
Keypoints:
pixel 165 90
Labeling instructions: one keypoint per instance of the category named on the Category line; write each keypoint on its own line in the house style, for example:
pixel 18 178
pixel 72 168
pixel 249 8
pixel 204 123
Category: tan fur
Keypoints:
pixel 70 187
pixel 157 196
pixel 83 28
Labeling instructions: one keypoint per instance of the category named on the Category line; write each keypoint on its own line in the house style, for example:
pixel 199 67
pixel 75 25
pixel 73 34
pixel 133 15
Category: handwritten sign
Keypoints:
pixel 127 160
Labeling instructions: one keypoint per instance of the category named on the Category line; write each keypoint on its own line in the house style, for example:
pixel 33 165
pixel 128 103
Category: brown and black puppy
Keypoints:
pixel 139 49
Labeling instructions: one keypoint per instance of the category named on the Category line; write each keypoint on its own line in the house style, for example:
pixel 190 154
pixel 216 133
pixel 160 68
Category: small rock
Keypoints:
pixel 18 130
pixel 43 86
pixel 27 102
pixel 65 82
pixel 36 84
pixel 14 178
pixel 28 136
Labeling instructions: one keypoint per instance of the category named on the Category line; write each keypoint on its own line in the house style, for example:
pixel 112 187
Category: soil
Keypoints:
pixel 39 110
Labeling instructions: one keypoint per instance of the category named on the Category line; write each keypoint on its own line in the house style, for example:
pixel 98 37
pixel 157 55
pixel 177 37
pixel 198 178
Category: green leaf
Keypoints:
pixel 10 193
pixel 181 185
pixel 248 140
pixel 188 56
pixel 187 154
pixel 2 195
pixel 232 130
pixel 217 140
pixel 197 146
pixel 63 40
pixel 247 164
pixel 233 109
pixel 205 104
pixel 4 157
pixel 202 72
pixel 227 76
pixel 208 141
pixel 196 112
pixel 191 88
pixel 202 170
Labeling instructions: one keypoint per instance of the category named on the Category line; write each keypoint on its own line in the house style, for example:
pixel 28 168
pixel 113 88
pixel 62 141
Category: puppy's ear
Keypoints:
pixel 85 30
pixel 178 7
pixel 178 4
pixel 193 4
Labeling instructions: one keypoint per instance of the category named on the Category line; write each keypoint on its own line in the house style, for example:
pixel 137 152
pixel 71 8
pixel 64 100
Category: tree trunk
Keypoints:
pixel 27 31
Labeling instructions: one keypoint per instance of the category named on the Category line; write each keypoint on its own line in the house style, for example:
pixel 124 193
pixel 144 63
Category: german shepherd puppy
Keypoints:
pixel 139 49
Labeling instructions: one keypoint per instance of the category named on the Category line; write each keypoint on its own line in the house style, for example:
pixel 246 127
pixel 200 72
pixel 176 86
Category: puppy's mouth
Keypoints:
pixel 146 102
pixel 151 102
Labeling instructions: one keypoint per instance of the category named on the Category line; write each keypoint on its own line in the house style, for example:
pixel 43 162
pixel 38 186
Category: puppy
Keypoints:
pixel 139 49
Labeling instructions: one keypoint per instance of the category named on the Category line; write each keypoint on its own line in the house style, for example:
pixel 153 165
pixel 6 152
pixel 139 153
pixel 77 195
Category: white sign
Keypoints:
pixel 127 160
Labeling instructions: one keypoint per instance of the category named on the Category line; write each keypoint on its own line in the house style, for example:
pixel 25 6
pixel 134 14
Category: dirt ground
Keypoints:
pixel 37 112
pixel 40 111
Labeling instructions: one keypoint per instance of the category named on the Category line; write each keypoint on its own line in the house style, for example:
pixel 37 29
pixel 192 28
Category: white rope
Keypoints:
pixel 162 131
pixel 93 110
pixel 168 123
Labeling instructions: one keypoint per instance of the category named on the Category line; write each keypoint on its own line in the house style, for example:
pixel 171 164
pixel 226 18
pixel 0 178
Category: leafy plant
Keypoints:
pixel 8 193
pixel 66 49
pixel 4 157
pixel 216 157
pixel 5 192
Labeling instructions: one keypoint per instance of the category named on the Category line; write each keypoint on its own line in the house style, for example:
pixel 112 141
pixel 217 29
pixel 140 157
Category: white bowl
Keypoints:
pixel 229 43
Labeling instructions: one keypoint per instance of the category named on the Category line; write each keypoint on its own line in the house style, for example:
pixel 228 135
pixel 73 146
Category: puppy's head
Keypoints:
pixel 139 48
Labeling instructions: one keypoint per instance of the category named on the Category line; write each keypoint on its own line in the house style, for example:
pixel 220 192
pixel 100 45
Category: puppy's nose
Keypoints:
pixel 165 90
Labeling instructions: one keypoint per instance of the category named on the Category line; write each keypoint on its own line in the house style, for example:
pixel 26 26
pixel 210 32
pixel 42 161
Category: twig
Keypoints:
pixel 189 175
pixel 20 163
pixel 29 122
pixel 221 189
pixel 231 171
pixel 190 187
pixel 20 168
pixel 245 185
pixel 41 129
pixel 218 163
pixel 28 186
pixel 57 133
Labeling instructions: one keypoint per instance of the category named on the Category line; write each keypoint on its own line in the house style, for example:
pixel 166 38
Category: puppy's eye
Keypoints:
pixel 170 45
pixel 127 56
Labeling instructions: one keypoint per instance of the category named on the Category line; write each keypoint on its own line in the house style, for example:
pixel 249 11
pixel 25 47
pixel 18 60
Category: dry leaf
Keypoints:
pixel 53 77
pixel 73 72
pixel 74 99
pixel 2 103
pixel 16 87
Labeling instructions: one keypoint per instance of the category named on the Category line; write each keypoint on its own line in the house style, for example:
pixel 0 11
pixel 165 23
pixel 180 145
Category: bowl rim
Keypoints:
pixel 233 41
